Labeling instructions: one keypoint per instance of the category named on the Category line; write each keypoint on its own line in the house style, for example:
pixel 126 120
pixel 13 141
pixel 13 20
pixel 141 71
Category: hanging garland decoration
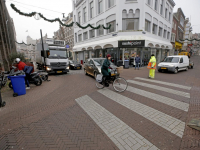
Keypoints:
pixel 24 43
pixel 56 19
pixel 89 25
pixel 190 40
pixel 21 13
pixel 107 28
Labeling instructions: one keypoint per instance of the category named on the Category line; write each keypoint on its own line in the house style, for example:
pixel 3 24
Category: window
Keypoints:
pixel 100 31
pixel 168 35
pixel 161 7
pixel 100 6
pixel 85 35
pixel 182 21
pixel 130 24
pixel 156 4
pixel 110 3
pixel 160 31
pixel 175 26
pixel 166 13
pixel 92 33
pixel 79 17
pixel 80 37
pixel 147 26
pixel 74 18
pixel 149 2
pixel 75 37
pixel 154 30
pixel 165 33
pixel 84 15
pixel 169 16
pixel 113 26
pixel 91 9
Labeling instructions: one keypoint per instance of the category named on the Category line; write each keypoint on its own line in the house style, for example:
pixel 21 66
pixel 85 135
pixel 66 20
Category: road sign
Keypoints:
pixel 67 46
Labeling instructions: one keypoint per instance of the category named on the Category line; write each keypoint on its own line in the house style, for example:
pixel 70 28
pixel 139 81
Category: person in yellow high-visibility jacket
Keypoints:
pixel 152 66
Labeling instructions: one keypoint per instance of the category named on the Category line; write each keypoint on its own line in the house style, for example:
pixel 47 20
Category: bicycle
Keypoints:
pixel 118 83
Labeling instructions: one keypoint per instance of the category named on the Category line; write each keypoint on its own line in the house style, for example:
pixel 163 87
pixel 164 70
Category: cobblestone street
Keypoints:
pixel 70 113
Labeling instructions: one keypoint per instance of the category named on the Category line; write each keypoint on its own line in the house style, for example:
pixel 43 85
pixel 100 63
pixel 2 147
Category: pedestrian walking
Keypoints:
pixel 137 62
pixel 152 66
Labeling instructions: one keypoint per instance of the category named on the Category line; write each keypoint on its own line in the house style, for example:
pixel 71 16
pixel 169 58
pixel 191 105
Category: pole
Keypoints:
pixel 43 49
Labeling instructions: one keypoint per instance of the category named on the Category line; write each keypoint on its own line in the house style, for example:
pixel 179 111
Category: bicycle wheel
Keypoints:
pixel 120 84
pixel 99 85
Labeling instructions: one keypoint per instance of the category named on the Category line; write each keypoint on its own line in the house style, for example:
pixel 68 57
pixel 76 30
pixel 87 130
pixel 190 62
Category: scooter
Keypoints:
pixel 33 78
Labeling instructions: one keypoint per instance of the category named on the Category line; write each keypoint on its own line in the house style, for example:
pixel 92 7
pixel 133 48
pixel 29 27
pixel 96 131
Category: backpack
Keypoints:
pixel 99 78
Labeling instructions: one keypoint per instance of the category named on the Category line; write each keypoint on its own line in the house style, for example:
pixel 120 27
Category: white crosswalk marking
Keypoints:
pixel 120 133
pixel 165 83
pixel 165 100
pixel 167 122
pixel 160 88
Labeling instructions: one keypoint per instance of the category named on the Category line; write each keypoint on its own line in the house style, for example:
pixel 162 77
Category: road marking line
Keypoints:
pixel 165 83
pixel 160 88
pixel 165 121
pixel 120 133
pixel 165 100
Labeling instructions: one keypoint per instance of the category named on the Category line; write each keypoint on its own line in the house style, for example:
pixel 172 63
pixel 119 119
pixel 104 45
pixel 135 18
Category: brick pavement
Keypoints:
pixel 61 114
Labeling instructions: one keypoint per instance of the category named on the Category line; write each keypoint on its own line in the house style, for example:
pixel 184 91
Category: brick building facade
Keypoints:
pixel 7 36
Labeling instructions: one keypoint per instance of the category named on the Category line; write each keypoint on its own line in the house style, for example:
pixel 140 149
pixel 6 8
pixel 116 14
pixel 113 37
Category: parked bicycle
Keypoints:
pixel 118 83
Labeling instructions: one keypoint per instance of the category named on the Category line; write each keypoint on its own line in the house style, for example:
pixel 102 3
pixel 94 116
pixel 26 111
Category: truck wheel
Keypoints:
pixel 176 71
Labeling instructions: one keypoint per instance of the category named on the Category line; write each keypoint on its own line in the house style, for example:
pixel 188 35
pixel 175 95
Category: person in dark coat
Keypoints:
pixel 137 62
pixel 105 67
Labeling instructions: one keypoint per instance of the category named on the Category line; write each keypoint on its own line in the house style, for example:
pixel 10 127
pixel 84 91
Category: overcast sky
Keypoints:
pixel 22 24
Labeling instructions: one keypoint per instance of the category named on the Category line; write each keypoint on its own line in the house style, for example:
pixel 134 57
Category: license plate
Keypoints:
pixel 163 68
pixel 78 67
pixel 59 71
pixel 112 74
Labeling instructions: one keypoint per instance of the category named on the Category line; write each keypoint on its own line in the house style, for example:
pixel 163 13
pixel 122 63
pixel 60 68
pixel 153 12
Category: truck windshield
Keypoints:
pixel 171 59
pixel 57 54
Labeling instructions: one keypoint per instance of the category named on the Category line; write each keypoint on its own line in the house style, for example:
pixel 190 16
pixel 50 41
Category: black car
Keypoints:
pixel 74 65
pixel 93 66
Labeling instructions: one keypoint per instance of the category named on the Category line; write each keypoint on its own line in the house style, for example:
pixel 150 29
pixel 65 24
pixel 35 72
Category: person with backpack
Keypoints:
pixel 27 69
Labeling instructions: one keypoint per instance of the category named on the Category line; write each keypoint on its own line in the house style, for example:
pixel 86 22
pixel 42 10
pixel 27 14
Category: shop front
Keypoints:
pixel 178 47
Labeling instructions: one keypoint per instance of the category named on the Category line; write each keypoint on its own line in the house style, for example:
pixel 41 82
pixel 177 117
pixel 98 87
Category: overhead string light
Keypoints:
pixel 38 15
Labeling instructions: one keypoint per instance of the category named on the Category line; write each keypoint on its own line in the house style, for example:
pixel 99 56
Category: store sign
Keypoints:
pixel 131 44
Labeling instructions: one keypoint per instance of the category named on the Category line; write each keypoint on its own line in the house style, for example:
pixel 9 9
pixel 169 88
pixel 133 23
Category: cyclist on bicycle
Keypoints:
pixel 105 71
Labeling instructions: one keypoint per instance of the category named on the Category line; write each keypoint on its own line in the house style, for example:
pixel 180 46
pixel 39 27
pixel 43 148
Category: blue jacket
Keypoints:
pixel 28 69
pixel 137 59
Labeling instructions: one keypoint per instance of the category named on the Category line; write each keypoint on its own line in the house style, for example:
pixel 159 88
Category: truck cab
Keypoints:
pixel 55 56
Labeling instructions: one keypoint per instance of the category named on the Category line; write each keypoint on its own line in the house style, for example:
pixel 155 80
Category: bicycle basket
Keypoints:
pixel 99 78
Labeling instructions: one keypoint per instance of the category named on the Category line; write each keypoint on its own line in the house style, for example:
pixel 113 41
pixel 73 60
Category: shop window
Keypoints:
pixel 147 26
pixel 113 26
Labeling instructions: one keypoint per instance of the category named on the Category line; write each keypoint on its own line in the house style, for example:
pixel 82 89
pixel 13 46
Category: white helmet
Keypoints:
pixel 17 60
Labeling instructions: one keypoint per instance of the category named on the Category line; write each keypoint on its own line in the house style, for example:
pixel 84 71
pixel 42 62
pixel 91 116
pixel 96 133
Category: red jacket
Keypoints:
pixel 21 65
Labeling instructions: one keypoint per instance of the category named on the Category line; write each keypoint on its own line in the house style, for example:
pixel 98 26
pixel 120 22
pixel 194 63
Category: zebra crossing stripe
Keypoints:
pixel 160 88
pixel 167 122
pixel 165 100
pixel 123 136
pixel 165 83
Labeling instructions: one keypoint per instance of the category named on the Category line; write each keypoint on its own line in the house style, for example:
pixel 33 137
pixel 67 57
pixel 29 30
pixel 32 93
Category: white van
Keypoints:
pixel 174 63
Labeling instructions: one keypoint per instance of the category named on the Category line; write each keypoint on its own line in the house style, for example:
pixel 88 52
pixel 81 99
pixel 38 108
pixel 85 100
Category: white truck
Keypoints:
pixel 55 56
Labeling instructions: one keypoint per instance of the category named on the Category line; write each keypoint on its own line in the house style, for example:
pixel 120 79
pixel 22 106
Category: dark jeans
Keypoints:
pixel 137 65
pixel 26 80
